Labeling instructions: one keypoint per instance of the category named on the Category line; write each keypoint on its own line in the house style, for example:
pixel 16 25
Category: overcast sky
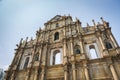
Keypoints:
pixel 21 18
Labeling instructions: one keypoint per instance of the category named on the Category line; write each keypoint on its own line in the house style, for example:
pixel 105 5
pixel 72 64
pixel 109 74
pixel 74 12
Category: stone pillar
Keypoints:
pixel 71 43
pixel 65 73
pixel 81 45
pixel 36 73
pixel 105 52
pixel 64 31
pixel 65 61
pixel 64 48
pixel 74 71
pixel 27 75
pixel 113 72
pixel 86 71
pixel 42 74
pixel 100 39
pixel 40 53
pixel 114 41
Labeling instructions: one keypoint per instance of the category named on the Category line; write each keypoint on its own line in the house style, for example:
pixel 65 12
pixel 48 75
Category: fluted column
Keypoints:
pixel 71 43
pixel 100 39
pixel 74 71
pixel 36 73
pixel 64 48
pixel 65 61
pixel 113 72
pixel 81 45
pixel 65 73
pixel 42 74
pixel 114 41
pixel 86 71
pixel 27 75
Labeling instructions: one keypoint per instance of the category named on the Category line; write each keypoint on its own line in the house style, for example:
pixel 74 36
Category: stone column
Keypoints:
pixel 64 48
pixel 65 73
pixel 74 71
pixel 27 75
pixel 114 41
pixel 40 53
pixel 36 73
pixel 81 45
pixel 105 52
pixel 86 71
pixel 100 39
pixel 64 32
pixel 65 61
pixel 71 43
pixel 42 74
pixel 113 72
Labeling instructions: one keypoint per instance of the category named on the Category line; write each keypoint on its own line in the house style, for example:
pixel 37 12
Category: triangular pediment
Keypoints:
pixel 56 18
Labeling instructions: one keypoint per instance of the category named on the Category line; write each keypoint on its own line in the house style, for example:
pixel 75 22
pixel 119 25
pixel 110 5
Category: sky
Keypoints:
pixel 22 18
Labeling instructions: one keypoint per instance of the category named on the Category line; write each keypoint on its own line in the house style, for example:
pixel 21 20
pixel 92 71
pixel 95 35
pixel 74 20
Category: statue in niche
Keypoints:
pixel 77 51
pixel 36 58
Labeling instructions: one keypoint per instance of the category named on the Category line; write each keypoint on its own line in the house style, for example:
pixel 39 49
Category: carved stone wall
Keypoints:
pixel 63 35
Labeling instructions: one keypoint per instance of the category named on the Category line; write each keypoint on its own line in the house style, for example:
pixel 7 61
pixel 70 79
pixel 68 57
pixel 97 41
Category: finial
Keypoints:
pixel 102 19
pixel 94 23
pixel 106 24
pixel 26 39
pixel 21 40
pixel 17 45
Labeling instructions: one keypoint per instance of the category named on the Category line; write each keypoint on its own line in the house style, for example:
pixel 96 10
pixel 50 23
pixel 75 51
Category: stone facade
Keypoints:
pixel 64 50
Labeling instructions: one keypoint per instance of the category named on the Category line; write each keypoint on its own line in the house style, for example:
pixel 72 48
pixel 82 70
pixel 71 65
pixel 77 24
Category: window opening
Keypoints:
pixel 56 57
pixel 57 25
pixel 26 63
pixel 56 36
pixel 93 52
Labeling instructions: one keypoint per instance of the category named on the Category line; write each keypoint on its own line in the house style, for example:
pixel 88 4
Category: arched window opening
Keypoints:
pixel 26 63
pixel 56 57
pixel 93 53
pixel 77 50
pixel 56 36
pixel 108 45
pixel 57 25
pixel 36 57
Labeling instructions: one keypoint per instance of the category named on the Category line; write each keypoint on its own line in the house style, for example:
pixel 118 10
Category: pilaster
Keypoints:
pixel 74 71
pixel 65 72
pixel 81 45
pixel 86 70
pixel 113 72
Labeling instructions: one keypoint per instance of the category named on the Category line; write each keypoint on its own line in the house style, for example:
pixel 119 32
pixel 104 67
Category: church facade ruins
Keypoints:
pixel 64 50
